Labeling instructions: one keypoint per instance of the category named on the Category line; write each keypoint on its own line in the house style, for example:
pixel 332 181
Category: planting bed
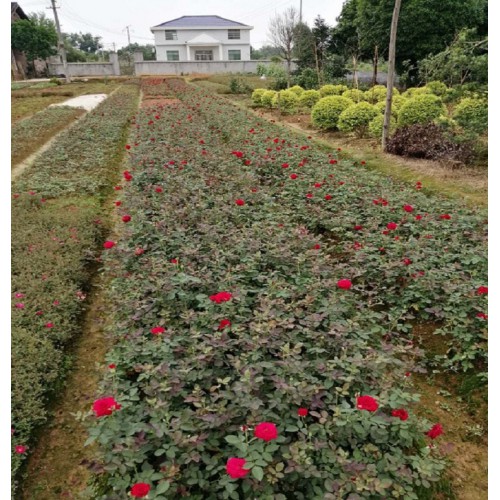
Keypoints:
pixel 58 221
pixel 264 296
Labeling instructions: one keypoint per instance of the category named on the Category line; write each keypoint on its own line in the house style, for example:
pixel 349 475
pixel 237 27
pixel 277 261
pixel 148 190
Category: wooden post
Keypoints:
pixel 60 38
pixel 390 74
pixel 375 65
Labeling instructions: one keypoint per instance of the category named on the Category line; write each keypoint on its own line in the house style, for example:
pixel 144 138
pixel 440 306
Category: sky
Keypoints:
pixel 109 18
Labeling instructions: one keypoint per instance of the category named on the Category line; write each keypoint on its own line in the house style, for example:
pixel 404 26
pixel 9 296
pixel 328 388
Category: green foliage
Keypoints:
pixel 354 95
pixel 286 101
pixel 309 98
pixel 55 80
pixel 414 91
pixel 267 98
pixel 238 86
pixel 36 37
pixel 375 127
pixel 464 60
pixel 326 112
pixel 296 89
pixel 356 118
pixel 376 94
pixel 86 42
pixel 397 102
pixel 437 88
pixel 148 51
pixel 307 79
pixel 257 95
pixel 472 115
pixel 420 109
pixel 327 90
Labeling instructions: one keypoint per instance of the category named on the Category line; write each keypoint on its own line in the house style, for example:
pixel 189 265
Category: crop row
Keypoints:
pixel 54 242
pixel 264 292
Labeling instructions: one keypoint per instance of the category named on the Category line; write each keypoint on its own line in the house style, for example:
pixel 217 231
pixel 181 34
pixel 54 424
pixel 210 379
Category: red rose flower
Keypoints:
pixel 285 165
pixel 173 261
pixel 239 202
pixel 293 176
pixel 127 146
pixel 20 305
pixel 400 413
pixel 309 195
pixel 266 431
pixel 358 228
pixel 139 251
pixel 302 412
pixel 482 290
pixel 157 330
pixel 49 325
pixel 482 316
pixel 317 246
pixel 435 431
pixel 118 203
pixel 418 217
pixel 112 366
pixel 332 162
pixel 408 208
pixel 105 406
pixel 366 403
pixel 126 218
pixel 221 297
pixel 407 262
pixel 391 226
pixel 234 467
pixel 328 197
pixel 140 490
pixel 318 185
pixel 345 284
pixel 109 244
pixel 20 449
pixel 224 323
pixel 159 189
pixel 445 216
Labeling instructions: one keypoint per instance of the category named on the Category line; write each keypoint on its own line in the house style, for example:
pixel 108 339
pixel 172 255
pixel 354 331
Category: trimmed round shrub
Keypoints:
pixel 472 114
pixel 297 89
pixel 356 118
pixel 309 98
pixel 437 88
pixel 397 102
pixel 286 100
pixel 257 96
pixel 414 91
pixel 355 95
pixel 267 98
pixel 325 113
pixel 377 124
pixel 376 94
pixel 446 123
pixel 420 109
pixel 332 90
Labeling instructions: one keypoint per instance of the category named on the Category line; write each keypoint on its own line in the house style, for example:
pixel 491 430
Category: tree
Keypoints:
pixel 148 51
pixel 303 47
pixel 85 42
pixel 321 33
pixel 282 34
pixel 266 52
pixel 36 37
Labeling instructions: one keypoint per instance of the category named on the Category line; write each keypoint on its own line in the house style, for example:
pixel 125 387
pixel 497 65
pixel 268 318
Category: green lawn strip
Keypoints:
pixel 384 163
pixel 56 234
pixel 295 339
pixel 29 134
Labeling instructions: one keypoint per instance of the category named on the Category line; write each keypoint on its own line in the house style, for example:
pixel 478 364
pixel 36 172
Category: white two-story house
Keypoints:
pixel 202 38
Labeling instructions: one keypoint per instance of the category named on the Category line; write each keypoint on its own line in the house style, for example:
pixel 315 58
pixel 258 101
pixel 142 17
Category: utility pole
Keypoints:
pixel 390 73
pixel 128 32
pixel 62 50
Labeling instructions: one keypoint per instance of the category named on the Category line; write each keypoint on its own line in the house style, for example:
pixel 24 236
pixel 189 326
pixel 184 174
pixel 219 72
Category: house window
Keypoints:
pixel 170 35
pixel 203 55
pixel 234 55
pixel 172 55
pixel 233 34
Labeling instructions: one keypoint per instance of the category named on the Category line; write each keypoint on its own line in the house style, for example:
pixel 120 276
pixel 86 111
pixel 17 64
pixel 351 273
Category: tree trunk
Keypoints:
pixel 288 73
pixel 355 70
pixel 390 75
pixel 317 63
pixel 375 65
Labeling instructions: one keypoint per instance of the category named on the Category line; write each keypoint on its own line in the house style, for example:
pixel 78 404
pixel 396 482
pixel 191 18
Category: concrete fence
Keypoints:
pixel 110 68
pixel 203 67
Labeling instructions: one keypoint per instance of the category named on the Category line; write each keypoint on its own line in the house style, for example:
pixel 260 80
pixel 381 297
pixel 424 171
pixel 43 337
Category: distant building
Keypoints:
pixel 202 38
pixel 18 62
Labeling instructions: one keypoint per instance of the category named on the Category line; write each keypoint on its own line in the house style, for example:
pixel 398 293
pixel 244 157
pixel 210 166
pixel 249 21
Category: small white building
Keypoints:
pixel 202 38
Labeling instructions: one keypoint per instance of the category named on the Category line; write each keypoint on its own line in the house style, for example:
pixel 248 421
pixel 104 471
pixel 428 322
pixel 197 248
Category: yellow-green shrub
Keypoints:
pixel 327 90
pixel 266 98
pixel 356 118
pixel 297 89
pixel 414 91
pixel 377 124
pixel 354 94
pixel 436 87
pixel 309 98
pixel 472 114
pixel 326 112
pixel 257 96
pixel 420 109
pixel 397 102
pixel 286 100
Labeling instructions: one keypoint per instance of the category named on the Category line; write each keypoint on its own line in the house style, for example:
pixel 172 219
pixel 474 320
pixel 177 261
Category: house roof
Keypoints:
pixel 201 22
pixel 16 8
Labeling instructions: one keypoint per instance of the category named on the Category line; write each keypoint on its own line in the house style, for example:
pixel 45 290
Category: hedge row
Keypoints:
pixel 54 239
pixel 261 280
pixel 29 134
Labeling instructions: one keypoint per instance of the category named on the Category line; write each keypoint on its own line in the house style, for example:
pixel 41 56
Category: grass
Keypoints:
pixel 28 101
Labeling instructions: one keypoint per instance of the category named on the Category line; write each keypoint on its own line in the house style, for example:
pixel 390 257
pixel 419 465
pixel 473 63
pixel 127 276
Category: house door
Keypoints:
pixel 203 55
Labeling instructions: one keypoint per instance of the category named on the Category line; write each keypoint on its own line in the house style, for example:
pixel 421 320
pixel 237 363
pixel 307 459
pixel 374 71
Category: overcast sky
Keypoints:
pixel 108 18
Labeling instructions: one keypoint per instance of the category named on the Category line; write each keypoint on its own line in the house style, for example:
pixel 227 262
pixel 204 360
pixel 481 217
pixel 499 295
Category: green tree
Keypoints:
pixel 85 42
pixel 303 49
pixel 148 51
pixel 36 37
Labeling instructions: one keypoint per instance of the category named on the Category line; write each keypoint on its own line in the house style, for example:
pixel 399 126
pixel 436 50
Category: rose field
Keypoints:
pixel 270 303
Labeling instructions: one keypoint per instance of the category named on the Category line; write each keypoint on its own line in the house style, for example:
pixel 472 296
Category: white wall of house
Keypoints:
pixel 186 35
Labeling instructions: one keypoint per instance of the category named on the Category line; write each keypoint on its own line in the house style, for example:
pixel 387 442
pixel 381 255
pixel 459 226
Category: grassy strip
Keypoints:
pixel 295 338
pixel 29 134
pixel 25 102
pixel 53 243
